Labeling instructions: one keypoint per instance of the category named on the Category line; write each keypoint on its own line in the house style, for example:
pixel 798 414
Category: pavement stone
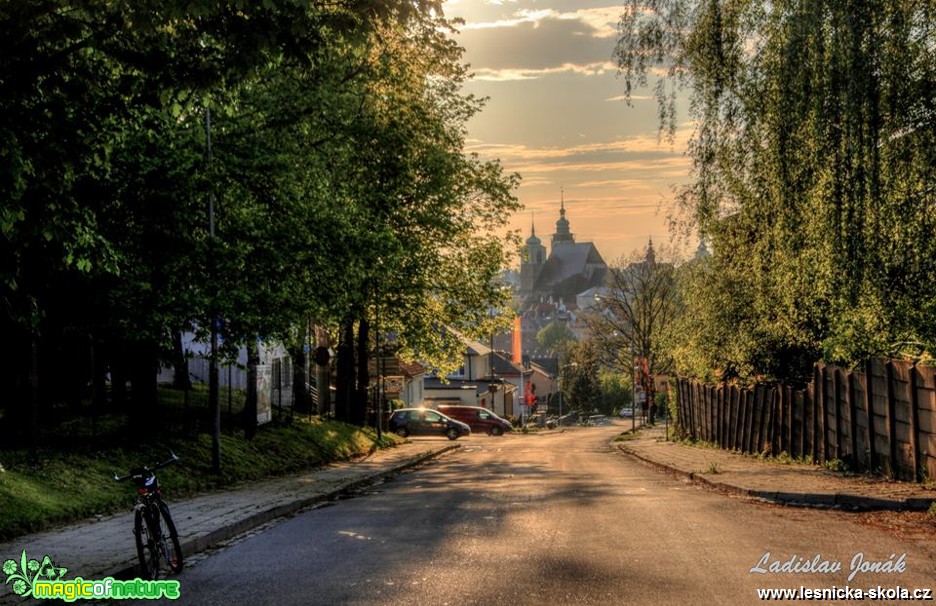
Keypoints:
pixel 787 483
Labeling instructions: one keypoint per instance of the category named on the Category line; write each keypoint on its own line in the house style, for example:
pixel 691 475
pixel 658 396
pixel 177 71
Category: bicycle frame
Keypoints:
pixel 155 545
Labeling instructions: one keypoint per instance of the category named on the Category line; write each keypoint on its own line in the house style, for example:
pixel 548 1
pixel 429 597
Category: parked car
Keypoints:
pixel 478 418
pixel 425 422
pixel 597 420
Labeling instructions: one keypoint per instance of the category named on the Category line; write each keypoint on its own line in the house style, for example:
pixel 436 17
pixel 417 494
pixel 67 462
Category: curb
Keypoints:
pixel 203 542
pixel 843 501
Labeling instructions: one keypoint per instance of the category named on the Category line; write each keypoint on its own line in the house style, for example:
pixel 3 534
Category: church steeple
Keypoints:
pixel 562 235
pixel 651 256
pixel 532 261
pixel 533 239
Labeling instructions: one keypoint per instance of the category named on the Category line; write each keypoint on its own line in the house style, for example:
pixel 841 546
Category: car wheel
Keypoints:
pixel 496 431
pixel 452 433
pixel 402 432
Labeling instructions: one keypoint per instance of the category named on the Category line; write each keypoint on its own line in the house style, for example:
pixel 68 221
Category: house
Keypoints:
pixel 486 378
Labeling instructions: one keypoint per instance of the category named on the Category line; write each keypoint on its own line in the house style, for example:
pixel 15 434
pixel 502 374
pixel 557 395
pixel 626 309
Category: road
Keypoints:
pixel 557 518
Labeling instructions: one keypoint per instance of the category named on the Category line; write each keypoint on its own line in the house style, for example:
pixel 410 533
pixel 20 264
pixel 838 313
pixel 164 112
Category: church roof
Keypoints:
pixel 568 261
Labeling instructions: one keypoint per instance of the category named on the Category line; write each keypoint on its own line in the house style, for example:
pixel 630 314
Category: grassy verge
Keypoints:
pixel 53 486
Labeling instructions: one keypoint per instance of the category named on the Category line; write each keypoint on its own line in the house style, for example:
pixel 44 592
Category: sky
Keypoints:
pixel 556 115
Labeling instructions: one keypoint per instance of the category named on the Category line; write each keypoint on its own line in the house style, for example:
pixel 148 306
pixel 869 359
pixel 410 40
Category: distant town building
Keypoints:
pixel 551 284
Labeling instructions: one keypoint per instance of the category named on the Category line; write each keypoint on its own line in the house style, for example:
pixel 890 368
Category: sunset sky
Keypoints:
pixel 556 116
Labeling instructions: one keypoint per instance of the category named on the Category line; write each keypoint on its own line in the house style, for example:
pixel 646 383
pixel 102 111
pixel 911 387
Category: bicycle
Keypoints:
pixel 155 544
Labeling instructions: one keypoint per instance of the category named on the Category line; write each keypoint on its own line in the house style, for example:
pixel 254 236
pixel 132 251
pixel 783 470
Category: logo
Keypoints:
pixel 25 573
pixel 43 580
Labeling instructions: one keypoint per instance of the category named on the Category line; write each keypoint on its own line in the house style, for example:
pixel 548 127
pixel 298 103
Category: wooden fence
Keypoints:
pixel 880 419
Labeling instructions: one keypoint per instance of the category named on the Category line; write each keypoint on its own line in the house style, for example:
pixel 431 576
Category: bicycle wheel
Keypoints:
pixel 169 545
pixel 147 552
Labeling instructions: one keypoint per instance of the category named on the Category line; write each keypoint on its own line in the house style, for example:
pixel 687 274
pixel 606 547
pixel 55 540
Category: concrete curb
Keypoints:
pixel 198 544
pixel 816 500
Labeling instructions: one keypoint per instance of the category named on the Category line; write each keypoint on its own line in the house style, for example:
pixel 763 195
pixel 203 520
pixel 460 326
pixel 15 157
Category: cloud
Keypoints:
pixel 642 145
pixel 509 74
pixel 535 43
pixel 600 22
pixel 632 98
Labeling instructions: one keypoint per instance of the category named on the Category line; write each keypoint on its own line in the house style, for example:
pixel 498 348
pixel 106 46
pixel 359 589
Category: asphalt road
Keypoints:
pixel 556 518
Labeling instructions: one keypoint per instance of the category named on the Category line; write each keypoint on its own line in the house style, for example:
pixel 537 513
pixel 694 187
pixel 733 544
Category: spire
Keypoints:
pixel 651 256
pixel 562 235
pixel 533 240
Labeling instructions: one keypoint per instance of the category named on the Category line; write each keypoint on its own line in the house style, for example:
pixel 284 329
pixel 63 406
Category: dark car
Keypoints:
pixel 425 422
pixel 479 419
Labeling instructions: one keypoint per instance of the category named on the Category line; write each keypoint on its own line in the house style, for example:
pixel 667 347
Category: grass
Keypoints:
pixel 73 480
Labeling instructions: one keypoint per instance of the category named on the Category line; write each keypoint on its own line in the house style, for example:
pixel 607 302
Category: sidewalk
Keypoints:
pixel 791 484
pixel 101 548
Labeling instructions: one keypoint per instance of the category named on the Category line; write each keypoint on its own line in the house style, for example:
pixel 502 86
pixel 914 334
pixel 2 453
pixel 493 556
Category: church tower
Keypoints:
pixel 562 235
pixel 531 264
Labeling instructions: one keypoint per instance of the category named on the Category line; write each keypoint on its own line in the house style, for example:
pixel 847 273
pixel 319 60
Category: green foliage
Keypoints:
pixel 634 314
pixel 556 337
pixel 580 377
pixel 335 172
pixel 812 165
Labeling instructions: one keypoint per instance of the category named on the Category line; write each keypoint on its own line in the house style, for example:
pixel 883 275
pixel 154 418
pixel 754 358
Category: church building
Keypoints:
pixel 550 283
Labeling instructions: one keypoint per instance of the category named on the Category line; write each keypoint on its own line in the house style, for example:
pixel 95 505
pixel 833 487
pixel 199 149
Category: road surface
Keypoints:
pixel 552 518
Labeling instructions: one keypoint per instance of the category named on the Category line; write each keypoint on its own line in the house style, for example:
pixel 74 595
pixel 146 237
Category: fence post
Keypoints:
pixel 891 417
pixel 736 415
pixel 814 408
pixel 823 414
pixel 852 419
pixel 778 420
pixel 759 407
pixel 915 425
pixel 836 394
pixel 804 395
pixel 869 411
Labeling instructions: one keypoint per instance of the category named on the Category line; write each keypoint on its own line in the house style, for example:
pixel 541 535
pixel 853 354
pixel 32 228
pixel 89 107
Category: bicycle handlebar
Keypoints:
pixel 173 459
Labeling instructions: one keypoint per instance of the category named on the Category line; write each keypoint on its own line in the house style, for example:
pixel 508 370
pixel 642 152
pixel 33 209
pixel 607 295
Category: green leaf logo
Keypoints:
pixel 26 572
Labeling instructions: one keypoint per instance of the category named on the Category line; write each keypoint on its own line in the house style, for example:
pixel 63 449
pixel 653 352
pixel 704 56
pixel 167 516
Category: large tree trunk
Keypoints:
pixel 33 400
pixel 323 375
pixel 249 420
pixel 359 406
pixel 19 371
pixel 180 377
pixel 144 416
pixel 345 379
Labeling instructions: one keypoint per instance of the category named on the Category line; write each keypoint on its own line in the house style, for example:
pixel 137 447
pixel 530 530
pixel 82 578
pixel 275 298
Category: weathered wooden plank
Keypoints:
pixel 869 411
pixel 914 426
pixel 837 410
pixel 852 419
pixel 891 421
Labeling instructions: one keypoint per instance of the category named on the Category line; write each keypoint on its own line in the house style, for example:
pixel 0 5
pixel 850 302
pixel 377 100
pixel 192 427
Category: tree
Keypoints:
pixel 581 377
pixel 634 314
pixel 556 337
pixel 336 166
pixel 811 153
